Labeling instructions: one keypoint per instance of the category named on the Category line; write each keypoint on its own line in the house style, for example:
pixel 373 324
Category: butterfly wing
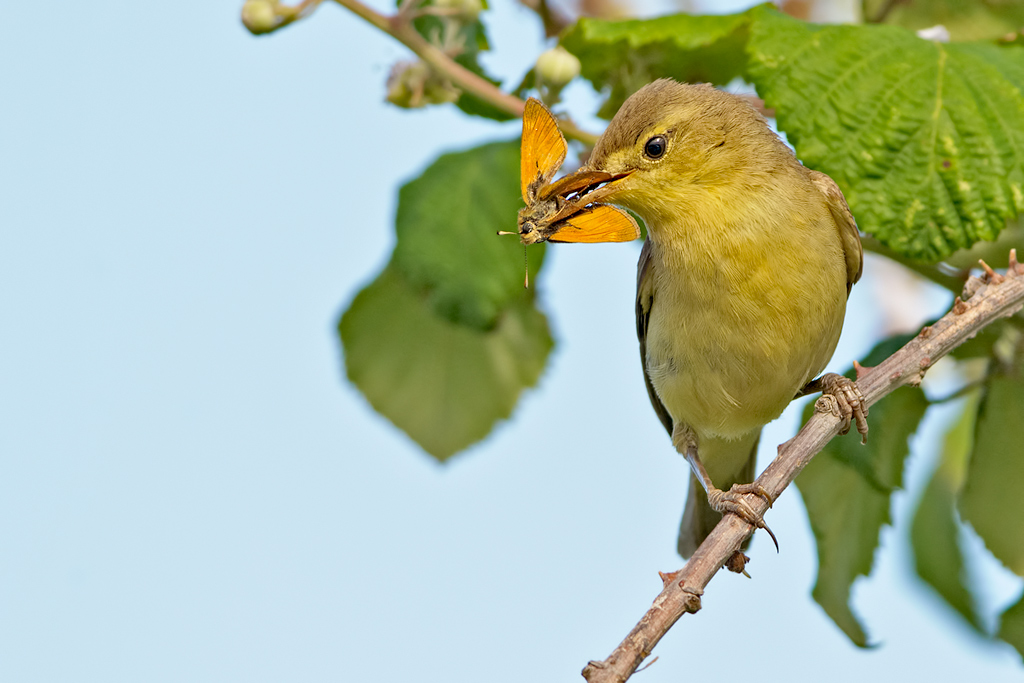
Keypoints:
pixel 543 149
pixel 597 223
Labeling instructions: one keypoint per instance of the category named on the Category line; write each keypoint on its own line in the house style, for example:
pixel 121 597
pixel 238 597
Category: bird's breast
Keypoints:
pixel 741 320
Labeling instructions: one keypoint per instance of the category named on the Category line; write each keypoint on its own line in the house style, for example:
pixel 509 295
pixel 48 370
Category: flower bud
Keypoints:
pixel 414 84
pixel 937 33
pixel 556 67
pixel 259 16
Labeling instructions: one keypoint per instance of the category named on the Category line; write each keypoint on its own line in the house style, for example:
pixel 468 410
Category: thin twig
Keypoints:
pixel 300 11
pixel 401 30
pixel 882 12
pixel 985 301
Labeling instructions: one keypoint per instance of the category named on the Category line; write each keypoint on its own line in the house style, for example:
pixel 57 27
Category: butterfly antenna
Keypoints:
pixel 526 262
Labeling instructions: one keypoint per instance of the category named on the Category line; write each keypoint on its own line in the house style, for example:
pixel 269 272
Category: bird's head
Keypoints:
pixel 674 147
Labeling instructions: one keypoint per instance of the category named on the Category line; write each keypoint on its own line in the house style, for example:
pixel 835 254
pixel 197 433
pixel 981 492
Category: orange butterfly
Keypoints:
pixel 563 211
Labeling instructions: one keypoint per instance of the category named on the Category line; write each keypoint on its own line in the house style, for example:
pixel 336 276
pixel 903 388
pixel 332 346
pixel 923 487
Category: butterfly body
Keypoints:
pixel 535 220
pixel 566 210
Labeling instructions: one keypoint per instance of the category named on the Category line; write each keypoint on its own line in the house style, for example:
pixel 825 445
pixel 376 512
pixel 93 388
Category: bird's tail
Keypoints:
pixel 717 455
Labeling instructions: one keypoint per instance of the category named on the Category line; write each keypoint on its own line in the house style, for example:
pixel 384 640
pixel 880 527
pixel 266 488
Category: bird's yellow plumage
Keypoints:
pixel 742 283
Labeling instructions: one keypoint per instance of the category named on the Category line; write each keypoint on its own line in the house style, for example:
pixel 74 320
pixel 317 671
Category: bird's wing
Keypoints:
pixel 848 233
pixel 644 301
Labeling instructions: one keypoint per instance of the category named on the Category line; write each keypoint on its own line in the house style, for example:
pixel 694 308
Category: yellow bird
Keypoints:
pixel 741 285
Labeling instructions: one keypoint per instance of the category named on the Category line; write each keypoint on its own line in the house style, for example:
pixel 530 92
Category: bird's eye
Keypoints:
pixel 655 147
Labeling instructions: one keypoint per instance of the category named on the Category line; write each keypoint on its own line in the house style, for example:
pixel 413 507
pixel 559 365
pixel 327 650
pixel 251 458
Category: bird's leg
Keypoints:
pixel 847 397
pixel 685 441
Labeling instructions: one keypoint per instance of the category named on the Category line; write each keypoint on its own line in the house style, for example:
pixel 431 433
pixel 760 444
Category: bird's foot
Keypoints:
pixel 840 396
pixel 733 501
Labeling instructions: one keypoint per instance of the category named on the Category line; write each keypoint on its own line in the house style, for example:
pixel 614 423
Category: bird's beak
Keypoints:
pixel 583 182
pixel 581 189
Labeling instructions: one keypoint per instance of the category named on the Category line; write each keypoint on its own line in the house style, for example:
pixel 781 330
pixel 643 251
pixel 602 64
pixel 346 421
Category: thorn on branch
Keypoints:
pixel 990 275
pixel 647 664
pixel 668 578
pixel 974 284
pixel 918 377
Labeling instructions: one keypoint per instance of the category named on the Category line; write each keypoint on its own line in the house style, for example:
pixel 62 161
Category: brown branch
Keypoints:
pixel 985 300
pixel 300 11
pixel 401 29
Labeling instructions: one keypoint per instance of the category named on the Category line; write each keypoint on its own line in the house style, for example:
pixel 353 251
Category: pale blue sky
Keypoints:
pixel 190 491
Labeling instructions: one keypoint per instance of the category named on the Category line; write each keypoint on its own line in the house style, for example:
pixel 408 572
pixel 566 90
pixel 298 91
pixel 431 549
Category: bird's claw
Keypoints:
pixel 849 401
pixel 733 501
pixel 755 489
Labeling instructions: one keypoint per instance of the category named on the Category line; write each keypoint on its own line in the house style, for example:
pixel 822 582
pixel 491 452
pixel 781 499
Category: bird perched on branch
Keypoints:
pixel 741 285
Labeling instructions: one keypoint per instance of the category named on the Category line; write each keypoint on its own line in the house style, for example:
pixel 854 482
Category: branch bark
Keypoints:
pixel 984 301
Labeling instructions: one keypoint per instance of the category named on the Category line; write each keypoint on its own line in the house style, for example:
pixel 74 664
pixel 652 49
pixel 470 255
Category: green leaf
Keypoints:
pixel 884 349
pixel 446 338
pixel 626 55
pixel 443 384
pixel 473 105
pixel 847 489
pixel 991 499
pixel 935 531
pixel 470 103
pixel 965 20
pixel 995 253
pixel 925 139
pixel 471 37
pixel 446 224
pixel 1011 625
pixel 846 515
pixel 528 83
